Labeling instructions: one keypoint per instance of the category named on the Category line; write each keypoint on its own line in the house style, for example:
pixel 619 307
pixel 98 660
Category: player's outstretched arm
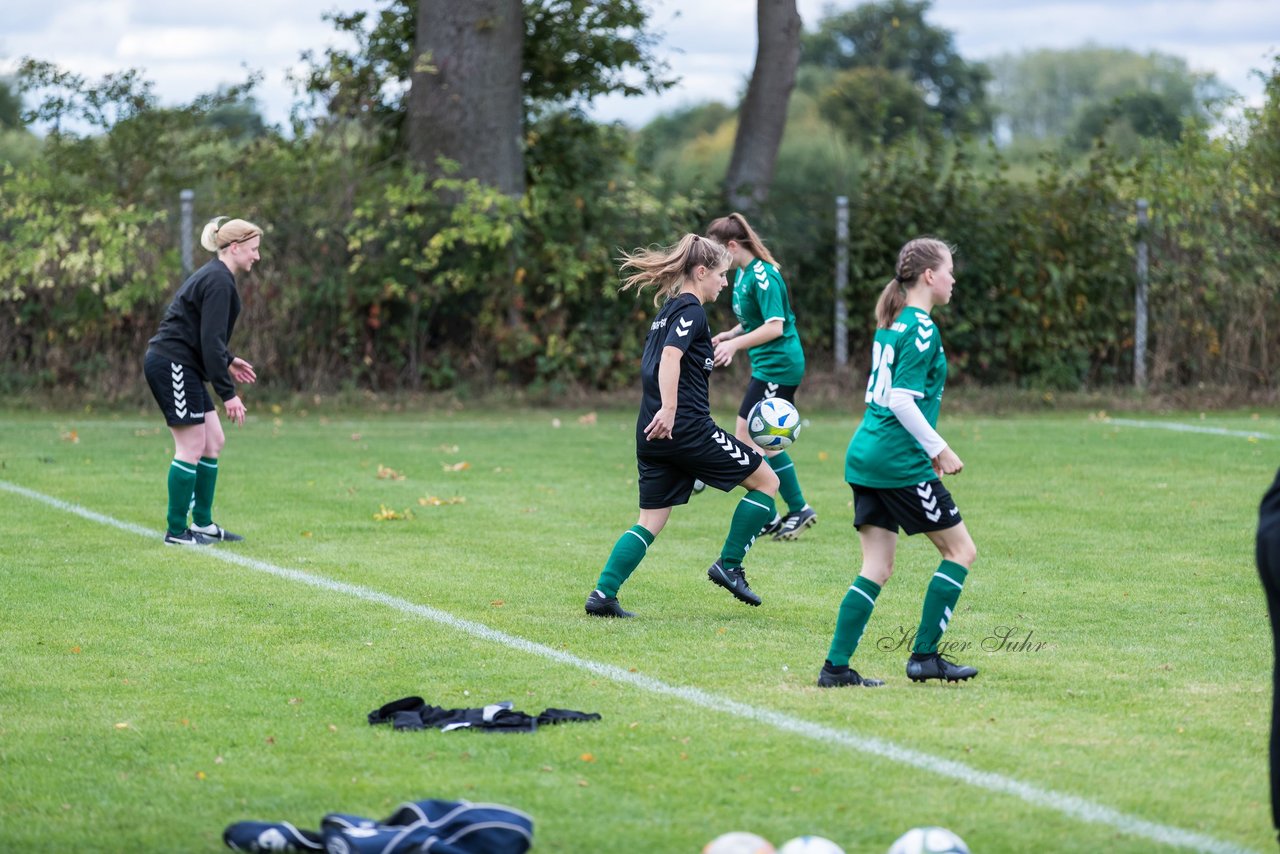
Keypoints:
pixel 662 425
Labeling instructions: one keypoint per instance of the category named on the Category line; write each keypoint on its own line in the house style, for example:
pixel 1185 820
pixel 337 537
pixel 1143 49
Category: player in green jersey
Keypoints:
pixel 894 464
pixel 767 331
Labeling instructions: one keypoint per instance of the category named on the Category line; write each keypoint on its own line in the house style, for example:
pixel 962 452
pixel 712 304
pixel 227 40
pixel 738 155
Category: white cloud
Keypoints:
pixel 1226 37
pixel 145 46
pixel 185 50
pixel 191 49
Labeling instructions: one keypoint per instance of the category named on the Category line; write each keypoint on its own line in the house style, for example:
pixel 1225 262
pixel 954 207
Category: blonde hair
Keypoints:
pixel 735 227
pixel 220 232
pixel 918 255
pixel 667 267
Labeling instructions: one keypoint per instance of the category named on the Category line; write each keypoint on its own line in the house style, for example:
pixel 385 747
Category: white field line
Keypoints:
pixel 1187 428
pixel 1069 805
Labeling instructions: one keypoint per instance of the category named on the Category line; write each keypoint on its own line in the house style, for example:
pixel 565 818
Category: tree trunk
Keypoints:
pixel 465 90
pixel 763 114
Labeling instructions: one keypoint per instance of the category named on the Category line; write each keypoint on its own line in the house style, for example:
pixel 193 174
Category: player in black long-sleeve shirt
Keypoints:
pixel 676 440
pixel 189 350
pixel 1268 556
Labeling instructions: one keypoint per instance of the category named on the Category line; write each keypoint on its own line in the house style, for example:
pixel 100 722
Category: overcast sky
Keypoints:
pixel 188 49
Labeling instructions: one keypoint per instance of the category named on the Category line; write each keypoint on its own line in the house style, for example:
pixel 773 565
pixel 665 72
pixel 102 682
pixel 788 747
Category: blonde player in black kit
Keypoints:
pixel 677 442
pixel 189 350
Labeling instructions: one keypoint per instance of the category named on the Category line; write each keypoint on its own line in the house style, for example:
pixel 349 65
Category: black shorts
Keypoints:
pixel 924 507
pixel 758 390
pixel 178 390
pixel 668 467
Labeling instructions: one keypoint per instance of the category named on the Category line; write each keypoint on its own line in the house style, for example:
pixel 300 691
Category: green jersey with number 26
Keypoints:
pixel 908 355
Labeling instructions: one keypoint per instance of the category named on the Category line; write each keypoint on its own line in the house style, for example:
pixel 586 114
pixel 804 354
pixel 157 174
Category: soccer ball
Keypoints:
pixel 738 842
pixel 773 424
pixel 810 845
pixel 929 840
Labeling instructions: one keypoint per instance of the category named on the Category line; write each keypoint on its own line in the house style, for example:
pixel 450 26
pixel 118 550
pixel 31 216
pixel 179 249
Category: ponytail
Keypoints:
pixel 889 306
pixel 735 227
pixel 667 267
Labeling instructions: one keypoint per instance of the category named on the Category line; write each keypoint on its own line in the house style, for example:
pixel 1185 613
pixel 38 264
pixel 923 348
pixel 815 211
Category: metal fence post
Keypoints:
pixel 1140 303
pixel 842 282
pixel 187 197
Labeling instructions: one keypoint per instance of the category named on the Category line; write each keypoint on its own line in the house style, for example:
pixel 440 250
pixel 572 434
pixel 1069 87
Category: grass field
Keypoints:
pixel 150 696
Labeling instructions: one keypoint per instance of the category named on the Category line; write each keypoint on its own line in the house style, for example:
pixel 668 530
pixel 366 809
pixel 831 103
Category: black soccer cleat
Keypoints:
pixel 934 666
pixel 213 532
pixel 772 528
pixel 600 605
pixel 186 538
pixel 830 677
pixel 794 523
pixel 735 581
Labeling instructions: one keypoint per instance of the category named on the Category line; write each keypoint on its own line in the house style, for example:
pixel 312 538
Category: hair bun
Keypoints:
pixel 220 232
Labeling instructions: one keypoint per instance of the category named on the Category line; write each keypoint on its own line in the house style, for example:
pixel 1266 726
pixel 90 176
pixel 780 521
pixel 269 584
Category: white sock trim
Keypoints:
pixel 948 578
pixel 865 595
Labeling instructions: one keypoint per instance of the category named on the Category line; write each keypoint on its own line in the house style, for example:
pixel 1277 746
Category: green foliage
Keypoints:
pixel 74 265
pixel 1127 122
pixel 10 107
pixel 875 105
pixel 1044 291
pixel 447 273
pixel 423 272
pixel 669 131
pixel 369 274
pixel 1213 237
pixel 369 83
pixel 18 147
pixel 574 51
pixel 815 163
pixel 700 161
pixel 109 135
pixel 238 119
pixel 1263 131
pixel 1074 96
pixel 1045 268
pixel 893 38
pixel 374 277
pixel 1047 264
pixel 578 50
pixel 528 291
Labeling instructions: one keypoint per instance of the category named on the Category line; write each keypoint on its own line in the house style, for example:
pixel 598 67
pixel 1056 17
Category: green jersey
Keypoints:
pixel 760 295
pixel 908 355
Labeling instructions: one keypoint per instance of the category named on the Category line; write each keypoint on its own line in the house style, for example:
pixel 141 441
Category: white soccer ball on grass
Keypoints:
pixel 810 845
pixel 929 840
pixel 738 842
